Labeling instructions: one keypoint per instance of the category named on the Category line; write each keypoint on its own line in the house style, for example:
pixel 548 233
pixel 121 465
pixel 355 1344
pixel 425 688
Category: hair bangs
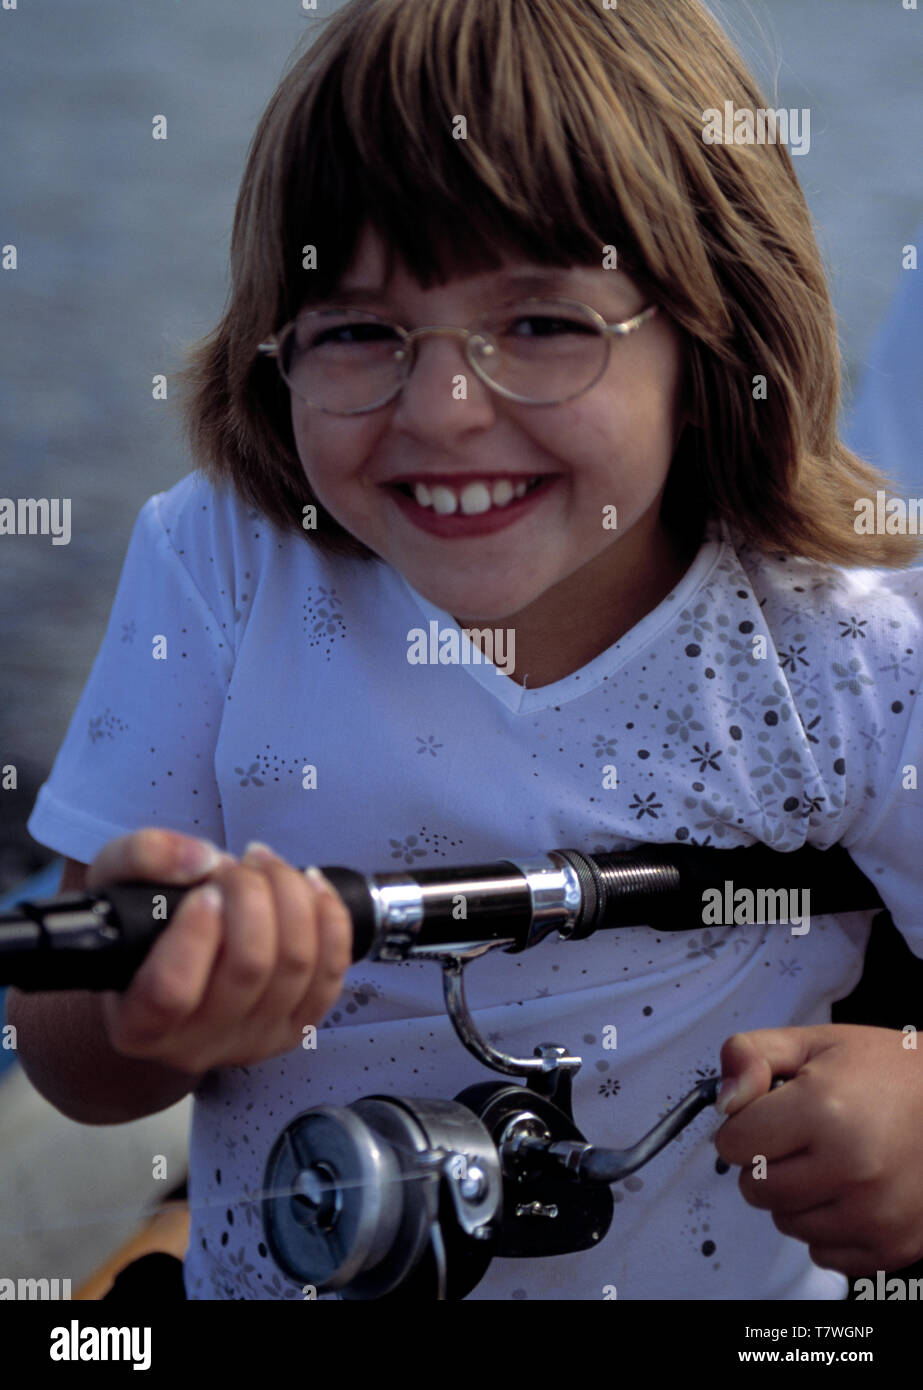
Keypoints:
pixel 458 144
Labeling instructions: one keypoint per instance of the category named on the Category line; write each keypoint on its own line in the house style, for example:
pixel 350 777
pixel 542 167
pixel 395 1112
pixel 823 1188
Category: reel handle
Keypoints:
pixel 591 1163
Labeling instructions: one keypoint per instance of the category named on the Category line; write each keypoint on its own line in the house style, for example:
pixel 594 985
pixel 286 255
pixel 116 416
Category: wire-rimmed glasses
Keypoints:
pixel 346 361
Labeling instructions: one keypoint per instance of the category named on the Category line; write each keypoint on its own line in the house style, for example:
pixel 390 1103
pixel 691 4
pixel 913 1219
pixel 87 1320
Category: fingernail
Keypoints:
pixel 208 895
pixel 258 853
pixel 323 885
pixel 199 857
pixel 727 1093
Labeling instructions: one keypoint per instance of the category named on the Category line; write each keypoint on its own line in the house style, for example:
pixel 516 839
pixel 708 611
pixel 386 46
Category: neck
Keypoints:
pixel 607 597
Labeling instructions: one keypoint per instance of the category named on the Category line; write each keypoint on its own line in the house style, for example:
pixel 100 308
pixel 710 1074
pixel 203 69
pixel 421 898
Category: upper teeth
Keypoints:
pixel 471 500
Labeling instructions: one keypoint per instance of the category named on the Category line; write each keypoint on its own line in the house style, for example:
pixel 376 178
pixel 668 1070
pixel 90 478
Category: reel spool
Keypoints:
pixel 390 1197
pixel 386 1196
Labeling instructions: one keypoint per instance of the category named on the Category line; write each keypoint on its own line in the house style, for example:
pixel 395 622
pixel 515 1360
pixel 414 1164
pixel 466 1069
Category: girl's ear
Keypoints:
pixel 689 413
pixel 686 415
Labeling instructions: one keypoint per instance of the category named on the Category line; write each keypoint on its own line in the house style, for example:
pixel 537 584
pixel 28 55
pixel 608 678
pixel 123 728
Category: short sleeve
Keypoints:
pixel 140 749
pixel 890 852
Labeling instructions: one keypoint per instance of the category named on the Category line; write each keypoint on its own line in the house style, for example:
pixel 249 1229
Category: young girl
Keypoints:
pixel 616 462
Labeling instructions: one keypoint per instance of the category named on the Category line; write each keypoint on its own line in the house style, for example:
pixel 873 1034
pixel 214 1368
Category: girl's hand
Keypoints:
pixel 231 984
pixel 843 1139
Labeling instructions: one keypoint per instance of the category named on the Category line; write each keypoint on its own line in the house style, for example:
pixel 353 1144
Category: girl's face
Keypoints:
pixel 611 447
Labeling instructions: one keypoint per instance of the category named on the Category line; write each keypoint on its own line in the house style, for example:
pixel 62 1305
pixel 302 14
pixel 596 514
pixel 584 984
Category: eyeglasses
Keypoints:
pixel 534 351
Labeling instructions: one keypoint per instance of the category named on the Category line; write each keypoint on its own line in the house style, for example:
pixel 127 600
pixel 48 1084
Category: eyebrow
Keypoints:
pixel 519 280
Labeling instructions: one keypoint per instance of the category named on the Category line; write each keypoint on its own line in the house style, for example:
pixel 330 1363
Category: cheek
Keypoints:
pixel 634 433
pixel 303 438
pixel 654 411
pixel 325 448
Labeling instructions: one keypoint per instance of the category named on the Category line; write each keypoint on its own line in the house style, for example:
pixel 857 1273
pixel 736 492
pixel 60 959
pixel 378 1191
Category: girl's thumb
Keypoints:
pixel 742 1072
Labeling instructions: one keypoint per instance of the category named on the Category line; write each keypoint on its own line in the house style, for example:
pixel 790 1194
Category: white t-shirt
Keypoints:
pixel 280 657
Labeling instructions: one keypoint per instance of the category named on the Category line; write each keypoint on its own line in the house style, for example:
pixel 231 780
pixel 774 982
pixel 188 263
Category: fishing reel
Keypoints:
pixel 413 1198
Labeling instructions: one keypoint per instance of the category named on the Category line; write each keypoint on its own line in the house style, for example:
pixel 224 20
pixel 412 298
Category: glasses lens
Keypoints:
pixel 535 351
pixel 343 359
pixel 541 351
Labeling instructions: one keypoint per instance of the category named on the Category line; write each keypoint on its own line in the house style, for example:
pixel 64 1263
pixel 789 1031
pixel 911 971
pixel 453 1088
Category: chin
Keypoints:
pixel 474 611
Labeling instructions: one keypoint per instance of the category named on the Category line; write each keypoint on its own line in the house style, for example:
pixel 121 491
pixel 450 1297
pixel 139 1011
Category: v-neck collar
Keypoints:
pixel 519 699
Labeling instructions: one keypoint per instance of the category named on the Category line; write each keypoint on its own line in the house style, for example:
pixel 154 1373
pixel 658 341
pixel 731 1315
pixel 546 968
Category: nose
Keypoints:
pixel 443 391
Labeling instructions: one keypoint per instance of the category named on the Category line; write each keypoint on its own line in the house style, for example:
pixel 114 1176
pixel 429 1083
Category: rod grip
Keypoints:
pixel 116 927
pixel 139 907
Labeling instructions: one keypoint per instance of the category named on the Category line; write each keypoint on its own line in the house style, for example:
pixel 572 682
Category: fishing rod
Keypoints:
pixel 96 939
pixel 412 1198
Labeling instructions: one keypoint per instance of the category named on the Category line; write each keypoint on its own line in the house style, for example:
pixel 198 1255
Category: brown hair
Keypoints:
pixel 584 130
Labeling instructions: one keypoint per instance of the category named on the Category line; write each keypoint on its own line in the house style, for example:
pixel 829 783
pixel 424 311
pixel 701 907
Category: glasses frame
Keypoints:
pixel 275 345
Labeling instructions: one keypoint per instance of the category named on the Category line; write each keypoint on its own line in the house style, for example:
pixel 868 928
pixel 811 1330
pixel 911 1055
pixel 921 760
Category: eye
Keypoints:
pixel 352 334
pixel 546 326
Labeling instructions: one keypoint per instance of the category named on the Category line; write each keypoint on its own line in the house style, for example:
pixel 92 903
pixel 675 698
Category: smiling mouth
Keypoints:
pixel 474 499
